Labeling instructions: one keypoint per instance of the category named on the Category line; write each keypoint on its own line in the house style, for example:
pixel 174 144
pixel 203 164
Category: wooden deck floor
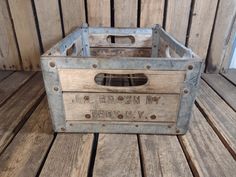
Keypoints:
pixel 28 146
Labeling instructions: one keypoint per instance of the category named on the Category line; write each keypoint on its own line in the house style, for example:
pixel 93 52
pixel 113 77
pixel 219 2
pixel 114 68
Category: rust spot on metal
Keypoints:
pixel 120 98
pixel 87 116
pixel 86 97
pixel 120 116
pixel 95 66
pixel 153 116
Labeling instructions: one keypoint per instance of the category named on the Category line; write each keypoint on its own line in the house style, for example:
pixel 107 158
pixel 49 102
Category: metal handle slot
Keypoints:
pixel 121 80
pixel 121 39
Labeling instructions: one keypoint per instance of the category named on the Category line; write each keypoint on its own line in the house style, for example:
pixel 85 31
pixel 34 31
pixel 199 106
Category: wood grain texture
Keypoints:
pixel 163 156
pixel 23 157
pixel 177 18
pixel 221 117
pixel 15 111
pixel 231 75
pixel 5 74
pixel 126 13
pixel 223 87
pixel 73 14
pixel 110 108
pixel 117 155
pixel 11 84
pixel 171 81
pixel 26 33
pixel 9 56
pixel 99 13
pixel 225 18
pixel 205 152
pixel 152 12
pixel 122 52
pixel 49 20
pixel 69 156
pixel 201 27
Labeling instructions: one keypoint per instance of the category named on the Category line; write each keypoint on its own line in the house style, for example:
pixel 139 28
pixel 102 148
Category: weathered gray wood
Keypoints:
pixel 69 156
pixel 73 14
pixel 231 75
pixel 201 27
pixel 11 84
pixel 223 87
pixel 24 155
pixel 151 12
pixel 225 18
pixel 9 56
pixel 5 74
pixel 205 152
pixel 49 20
pixel 26 32
pixel 220 116
pixel 15 111
pixel 163 156
pixel 117 155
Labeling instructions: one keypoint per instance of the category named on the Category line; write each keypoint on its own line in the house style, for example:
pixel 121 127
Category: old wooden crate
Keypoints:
pixel 121 80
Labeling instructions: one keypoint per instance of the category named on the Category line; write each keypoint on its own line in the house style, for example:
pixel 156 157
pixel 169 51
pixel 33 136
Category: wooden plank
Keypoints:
pixel 10 85
pixel 122 52
pixel 69 156
pixel 112 107
pixel 5 74
pixel 231 75
pixel 126 13
pixel 163 156
pixel 23 157
pixel 17 108
pixel 221 117
pixel 117 155
pixel 171 81
pixel 152 12
pixel 48 14
pixel 73 14
pixel 26 33
pixel 201 27
pixel 223 87
pixel 9 56
pixel 205 152
pixel 221 35
pixel 99 13
pixel 177 18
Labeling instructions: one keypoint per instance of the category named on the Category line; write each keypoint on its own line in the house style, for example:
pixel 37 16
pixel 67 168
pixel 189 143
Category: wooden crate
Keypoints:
pixel 121 80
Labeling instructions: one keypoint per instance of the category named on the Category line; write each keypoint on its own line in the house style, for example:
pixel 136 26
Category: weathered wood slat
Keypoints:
pixel 69 156
pixel 26 33
pixel 152 12
pixel 117 155
pixel 126 13
pixel 223 87
pixel 5 74
pixel 225 18
pixel 23 157
pixel 9 56
pixel 231 75
pixel 201 27
pixel 73 14
pixel 99 13
pixel 221 117
pixel 163 156
pixel 205 152
pixel 49 20
pixel 15 112
pixel 11 84
pixel 177 18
